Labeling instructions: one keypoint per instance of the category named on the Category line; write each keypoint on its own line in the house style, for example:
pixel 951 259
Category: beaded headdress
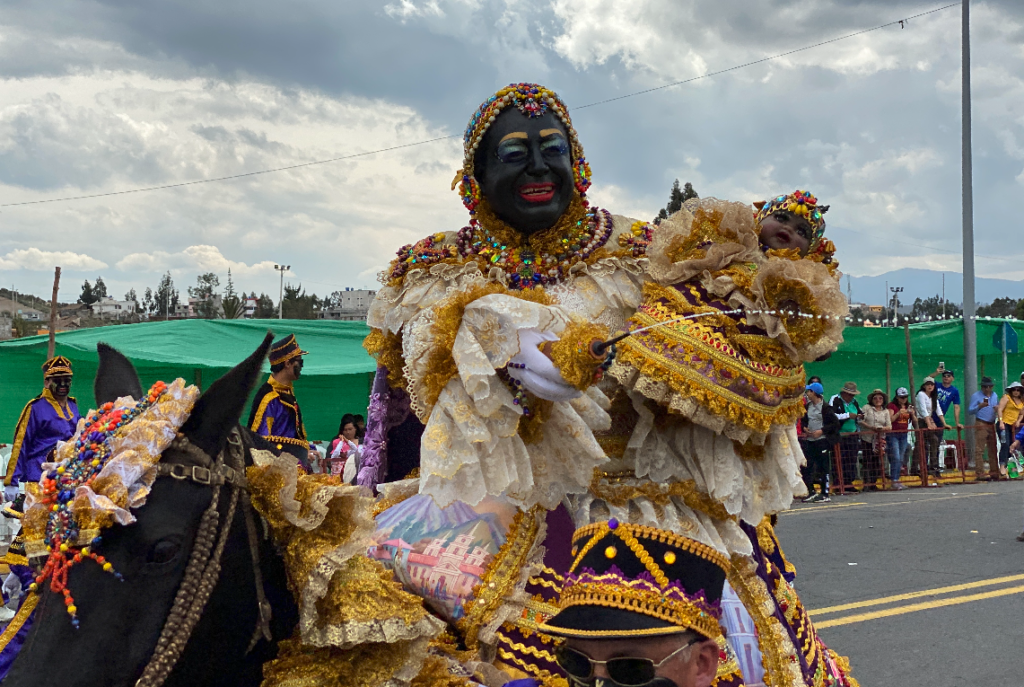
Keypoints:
pixel 633 580
pixel 98 476
pixel 532 100
pixel 803 204
pixel 58 365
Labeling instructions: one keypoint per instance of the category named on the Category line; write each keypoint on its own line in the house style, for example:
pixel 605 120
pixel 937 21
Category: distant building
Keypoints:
pixel 108 308
pixel 15 309
pixel 353 305
pixel 249 308
pixel 194 306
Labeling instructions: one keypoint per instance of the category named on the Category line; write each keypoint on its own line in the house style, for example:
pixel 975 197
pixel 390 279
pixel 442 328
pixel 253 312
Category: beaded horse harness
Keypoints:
pixel 204 565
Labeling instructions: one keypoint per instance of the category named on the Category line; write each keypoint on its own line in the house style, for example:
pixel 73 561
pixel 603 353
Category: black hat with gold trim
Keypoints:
pixel 15 508
pixel 633 580
pixel 58 365
pixel 284 350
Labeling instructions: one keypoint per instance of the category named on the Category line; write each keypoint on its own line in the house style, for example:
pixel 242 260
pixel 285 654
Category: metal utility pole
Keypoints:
pixel 280 300
pixel 943 295
pixel 970 331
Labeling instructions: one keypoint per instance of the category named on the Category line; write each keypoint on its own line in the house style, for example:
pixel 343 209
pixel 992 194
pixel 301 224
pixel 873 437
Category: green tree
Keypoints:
pixel 203 292
pixel 87 297
pixel 99 290
pixel 148 304
pixel 1000 307
pixel 931 308
pixel 265 309
pixel 232 302
pixel 300 306
pixel 676 197
pixel 166 296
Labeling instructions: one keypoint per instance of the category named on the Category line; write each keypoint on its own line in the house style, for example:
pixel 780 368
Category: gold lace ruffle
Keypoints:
pixel 324 528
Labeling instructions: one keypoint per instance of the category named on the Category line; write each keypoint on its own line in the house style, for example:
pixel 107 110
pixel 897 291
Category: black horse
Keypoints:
pixel 123 622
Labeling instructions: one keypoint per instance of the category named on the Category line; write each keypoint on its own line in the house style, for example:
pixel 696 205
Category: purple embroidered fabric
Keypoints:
pixel 388 410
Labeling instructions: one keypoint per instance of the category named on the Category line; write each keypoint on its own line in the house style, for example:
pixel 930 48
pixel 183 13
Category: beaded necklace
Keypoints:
pixel 543 258
pixel 92 452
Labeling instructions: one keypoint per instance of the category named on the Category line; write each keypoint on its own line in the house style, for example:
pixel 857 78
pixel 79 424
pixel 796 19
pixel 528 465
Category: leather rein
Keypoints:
pixel 227 470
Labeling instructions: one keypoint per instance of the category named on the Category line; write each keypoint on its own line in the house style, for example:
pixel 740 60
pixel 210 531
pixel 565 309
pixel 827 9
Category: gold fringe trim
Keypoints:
pixel 499 580
pixel 778 655
pixel 386 349
pixel 661 494
pixel 19 620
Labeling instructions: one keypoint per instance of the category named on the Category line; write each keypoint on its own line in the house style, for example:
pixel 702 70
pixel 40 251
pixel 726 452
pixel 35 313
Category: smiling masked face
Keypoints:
pixel 524 169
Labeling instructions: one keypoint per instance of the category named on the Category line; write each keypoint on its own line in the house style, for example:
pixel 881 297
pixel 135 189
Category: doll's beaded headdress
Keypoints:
pixel 532 100
pixel 802 204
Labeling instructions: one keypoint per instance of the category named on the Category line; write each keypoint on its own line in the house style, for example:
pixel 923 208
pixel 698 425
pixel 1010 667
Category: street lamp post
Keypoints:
pixel 280 299
pixel 970 333
pixel 896 291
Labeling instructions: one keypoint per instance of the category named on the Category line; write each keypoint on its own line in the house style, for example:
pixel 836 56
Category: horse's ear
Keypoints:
pixel 217 411
pixel 115 376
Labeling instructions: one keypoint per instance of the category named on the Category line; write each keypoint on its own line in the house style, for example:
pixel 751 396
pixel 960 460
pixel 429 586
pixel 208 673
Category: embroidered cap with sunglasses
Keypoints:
pixel 640 607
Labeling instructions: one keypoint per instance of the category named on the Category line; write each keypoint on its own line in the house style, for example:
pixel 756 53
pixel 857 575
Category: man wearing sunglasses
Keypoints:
pixel 275 411
pixel 641 608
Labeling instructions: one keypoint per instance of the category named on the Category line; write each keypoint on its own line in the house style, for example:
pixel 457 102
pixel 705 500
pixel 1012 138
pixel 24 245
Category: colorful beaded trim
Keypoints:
pixel 532 100
pixel 527 266
pixel 92 451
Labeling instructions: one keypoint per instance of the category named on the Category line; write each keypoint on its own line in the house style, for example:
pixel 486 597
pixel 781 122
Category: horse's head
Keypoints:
pixel 122 621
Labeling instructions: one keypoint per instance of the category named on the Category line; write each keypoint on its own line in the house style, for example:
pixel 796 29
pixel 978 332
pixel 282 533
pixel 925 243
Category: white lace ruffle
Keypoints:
pixel 471 447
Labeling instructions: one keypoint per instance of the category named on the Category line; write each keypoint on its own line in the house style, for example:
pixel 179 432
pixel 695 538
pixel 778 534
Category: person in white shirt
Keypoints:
pixel 929 415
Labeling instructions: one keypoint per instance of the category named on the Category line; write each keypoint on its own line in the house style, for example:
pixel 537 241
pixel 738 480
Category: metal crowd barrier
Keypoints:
pixel 951 462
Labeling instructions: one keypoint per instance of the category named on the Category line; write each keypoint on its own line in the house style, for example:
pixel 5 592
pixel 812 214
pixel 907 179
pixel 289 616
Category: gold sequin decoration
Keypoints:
pixel 362 591
pixel 571 353
pixel 661 494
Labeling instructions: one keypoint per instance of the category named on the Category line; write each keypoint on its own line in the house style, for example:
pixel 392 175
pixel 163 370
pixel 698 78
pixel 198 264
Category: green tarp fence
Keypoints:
pixel 336 377
pixel 868 352
pixel 338 372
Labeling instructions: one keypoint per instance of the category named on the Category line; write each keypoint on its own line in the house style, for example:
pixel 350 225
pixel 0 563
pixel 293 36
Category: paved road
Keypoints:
pixel 950 558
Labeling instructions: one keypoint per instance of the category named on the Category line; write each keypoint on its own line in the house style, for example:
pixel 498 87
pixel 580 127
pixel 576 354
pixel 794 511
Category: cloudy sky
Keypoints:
pixel 111 95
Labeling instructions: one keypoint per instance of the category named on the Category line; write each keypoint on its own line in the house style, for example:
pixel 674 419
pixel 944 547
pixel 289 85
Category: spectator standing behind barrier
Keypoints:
pixel 877 421
pixel 1008 412
pixel 949 397
pixel 821 433
pixel 903 418
pixel 983 406
pixel 848 412
pixel 805 469
pixel 927 407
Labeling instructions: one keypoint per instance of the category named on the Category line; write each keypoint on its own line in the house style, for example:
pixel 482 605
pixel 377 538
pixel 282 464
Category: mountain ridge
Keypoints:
pixel 921 283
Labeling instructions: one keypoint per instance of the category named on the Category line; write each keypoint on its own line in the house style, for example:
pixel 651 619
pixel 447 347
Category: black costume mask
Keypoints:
pixel 527 180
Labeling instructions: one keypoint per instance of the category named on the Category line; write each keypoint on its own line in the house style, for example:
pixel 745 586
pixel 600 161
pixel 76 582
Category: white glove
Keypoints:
pixel 12 586
pixel 539 376
pixel 11 492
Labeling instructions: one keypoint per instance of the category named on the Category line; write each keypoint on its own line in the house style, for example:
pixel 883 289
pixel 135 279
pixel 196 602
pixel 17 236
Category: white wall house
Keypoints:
pixel 111 309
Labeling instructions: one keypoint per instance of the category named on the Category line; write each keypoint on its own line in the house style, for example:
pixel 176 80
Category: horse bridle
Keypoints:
pixel 204 565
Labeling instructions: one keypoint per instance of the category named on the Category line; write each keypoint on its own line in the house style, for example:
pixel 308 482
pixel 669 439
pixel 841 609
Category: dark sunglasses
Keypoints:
pixel 628 672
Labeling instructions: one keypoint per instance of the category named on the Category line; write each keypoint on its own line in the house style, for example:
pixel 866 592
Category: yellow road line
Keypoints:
pixel 798 510
pixel 916 595
pixel 900 610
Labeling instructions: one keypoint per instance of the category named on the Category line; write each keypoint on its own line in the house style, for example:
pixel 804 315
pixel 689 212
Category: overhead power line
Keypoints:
pixel 708 75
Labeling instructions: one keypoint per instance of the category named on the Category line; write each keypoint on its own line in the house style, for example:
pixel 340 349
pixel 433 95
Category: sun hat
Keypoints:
pixel 878 392
pixel 850 388
pixel 1014 385
pixel 987 381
